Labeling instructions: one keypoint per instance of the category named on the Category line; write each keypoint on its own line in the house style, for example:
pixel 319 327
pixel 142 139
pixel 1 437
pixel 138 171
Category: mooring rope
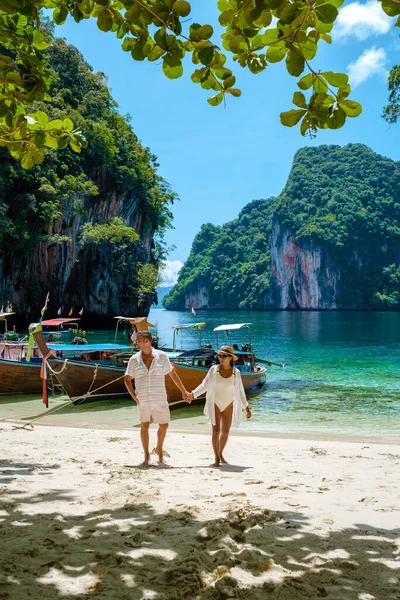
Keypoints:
pixel 52 370
pixel 89 393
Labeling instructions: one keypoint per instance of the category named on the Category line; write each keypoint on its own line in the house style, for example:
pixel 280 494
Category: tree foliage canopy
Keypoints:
pixel 256 33
pixel 44 203
pixel 343 199
pixel 231 262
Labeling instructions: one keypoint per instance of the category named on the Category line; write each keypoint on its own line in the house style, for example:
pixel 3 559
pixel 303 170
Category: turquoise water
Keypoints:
pixel 342 373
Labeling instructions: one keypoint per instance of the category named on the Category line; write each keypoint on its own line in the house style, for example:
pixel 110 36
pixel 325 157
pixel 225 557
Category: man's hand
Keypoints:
pixel 187 396
pixel 248 413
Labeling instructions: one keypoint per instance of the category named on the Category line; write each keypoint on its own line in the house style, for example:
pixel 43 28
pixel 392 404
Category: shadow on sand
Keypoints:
pixel 130 552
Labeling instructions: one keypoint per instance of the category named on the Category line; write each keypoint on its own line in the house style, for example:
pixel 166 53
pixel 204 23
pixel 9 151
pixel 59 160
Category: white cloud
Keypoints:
pixel 371 62
pixel 360 21
pixel 170 272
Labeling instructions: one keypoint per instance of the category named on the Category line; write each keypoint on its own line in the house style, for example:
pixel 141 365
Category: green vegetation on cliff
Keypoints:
pixel 231 262
pixel 344 199
pixel 348 199
pixel 37 205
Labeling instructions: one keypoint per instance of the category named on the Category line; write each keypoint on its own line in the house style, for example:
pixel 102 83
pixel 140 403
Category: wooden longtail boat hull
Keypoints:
pixel 86 381
pixel 90 381
pixel 19 378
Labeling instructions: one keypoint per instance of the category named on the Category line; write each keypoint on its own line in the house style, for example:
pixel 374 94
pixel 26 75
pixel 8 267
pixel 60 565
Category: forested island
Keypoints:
pixel 85 226
pixel 330 240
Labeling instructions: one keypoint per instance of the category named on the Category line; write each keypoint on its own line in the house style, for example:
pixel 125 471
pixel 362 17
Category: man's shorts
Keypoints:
pixel 158 412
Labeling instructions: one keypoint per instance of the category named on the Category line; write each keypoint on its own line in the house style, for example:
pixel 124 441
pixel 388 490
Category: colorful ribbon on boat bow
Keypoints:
pixel 43 375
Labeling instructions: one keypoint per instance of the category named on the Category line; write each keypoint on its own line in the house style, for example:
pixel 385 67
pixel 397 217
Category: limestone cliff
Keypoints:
pixel 81 225
pixel 91 275
pixel 330 241
pixel 303 274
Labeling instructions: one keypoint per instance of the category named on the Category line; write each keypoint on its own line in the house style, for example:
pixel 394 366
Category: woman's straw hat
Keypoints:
pixel 227 350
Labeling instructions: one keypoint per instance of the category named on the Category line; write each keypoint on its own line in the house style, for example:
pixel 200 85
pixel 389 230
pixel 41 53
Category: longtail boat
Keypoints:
pixel 99 378
pixel 17 376
pixel 57 330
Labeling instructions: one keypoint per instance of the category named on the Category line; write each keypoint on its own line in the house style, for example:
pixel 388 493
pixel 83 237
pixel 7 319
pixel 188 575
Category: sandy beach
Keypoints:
pixel 287 519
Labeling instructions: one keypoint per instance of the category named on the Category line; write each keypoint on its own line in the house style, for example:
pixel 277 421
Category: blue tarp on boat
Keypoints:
pixel 84 348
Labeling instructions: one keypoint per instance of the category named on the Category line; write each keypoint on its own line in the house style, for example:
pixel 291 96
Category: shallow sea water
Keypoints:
pixel 341 379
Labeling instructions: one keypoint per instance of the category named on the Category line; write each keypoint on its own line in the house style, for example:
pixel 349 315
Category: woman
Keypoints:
pixel 225 399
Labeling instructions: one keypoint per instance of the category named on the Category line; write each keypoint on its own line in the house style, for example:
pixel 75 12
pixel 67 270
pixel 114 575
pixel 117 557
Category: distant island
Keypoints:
pixel 330 240
pixel 161 293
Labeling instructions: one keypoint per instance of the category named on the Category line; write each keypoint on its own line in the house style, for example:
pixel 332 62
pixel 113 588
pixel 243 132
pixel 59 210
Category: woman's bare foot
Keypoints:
pixel 216 463
pixel 223 461
pixel 146 461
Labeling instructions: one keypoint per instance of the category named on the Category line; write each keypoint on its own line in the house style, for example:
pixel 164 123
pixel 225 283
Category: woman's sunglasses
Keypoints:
pixel 224 356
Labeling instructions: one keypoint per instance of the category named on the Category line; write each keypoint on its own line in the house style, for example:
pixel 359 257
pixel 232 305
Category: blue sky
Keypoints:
pixel 218 159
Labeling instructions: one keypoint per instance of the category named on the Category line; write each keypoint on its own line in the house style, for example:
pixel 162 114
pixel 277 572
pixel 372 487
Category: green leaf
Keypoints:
pixel 270 36
pixel 181 8
pixel 39 41
pixel 156 53
pixel 172 67
pixel 299 100
pixel 336 79
pixel 197 32
pixel 68 124
pixel 351 108
pixel 229 81
pixel 53 125
pixel 104 21
pixel 291 117
pixel 337 119
pixel 74 146
pixel 226 5
pixel 294 63
pixel 51 142
pixel 206 55
pixel 320 85
pixel 391 8
pixel 41 118
pixel 13 78
pixel 27 161
pixel 305 82
pixel 326 13
pixel 215 100
pixel 276 52
pixel 256 64
pixel 60 15
pixel 235 92
pixel 62 142
pixel 39 139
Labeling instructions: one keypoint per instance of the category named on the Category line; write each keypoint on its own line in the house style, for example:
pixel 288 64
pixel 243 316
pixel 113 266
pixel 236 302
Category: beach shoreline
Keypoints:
pixel 287 519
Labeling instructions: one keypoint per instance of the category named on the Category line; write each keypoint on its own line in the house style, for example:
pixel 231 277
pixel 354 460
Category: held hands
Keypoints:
pixel 187 396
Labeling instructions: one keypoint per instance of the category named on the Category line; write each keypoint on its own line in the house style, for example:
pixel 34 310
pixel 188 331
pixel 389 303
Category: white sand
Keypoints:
pixel 289 519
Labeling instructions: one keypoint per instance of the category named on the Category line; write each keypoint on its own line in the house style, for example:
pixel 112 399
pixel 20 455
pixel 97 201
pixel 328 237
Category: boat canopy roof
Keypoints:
pixel 195 326
pixel 232 326
pixel 3 315
pixel 56 322
pixel 85 348
pixel 136 321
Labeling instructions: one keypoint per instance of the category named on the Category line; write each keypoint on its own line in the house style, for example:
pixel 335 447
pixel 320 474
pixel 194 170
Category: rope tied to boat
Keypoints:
pixel 50 368
pixel 90 392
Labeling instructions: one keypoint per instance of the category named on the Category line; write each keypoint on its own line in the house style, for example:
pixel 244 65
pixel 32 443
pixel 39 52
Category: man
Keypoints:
pixel 148 368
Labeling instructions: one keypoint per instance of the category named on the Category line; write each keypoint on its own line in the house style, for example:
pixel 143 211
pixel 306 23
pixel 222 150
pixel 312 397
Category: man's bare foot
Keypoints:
pixel 146 462
pixel 160 454
pixel 216 463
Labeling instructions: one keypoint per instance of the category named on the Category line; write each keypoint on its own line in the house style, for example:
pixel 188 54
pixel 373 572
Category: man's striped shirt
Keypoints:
pixel 150 384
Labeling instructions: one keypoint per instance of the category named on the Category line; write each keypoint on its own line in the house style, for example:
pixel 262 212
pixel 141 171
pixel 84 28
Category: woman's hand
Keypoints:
pixel 248 413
